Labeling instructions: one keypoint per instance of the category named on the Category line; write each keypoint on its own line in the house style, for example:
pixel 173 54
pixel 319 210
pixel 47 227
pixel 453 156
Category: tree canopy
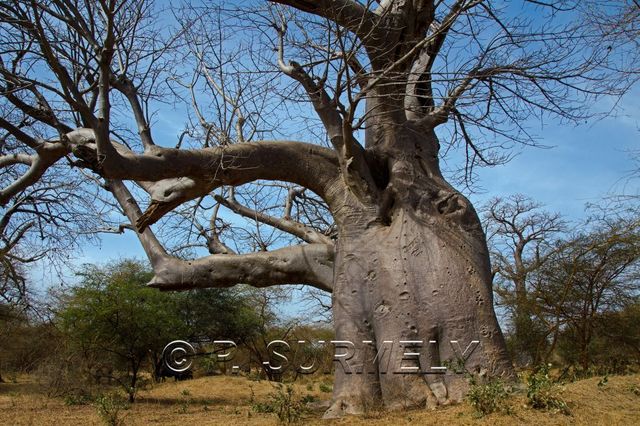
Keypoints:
pixel 113 317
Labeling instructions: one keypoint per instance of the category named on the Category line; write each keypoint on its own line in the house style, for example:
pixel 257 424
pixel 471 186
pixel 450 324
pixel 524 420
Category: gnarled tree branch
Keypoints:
pixel 174 176
pixel 346 13
pixel 304 264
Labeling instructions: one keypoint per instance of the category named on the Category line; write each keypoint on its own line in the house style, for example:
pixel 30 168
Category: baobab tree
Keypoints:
pixel 371 216
pixel 520 233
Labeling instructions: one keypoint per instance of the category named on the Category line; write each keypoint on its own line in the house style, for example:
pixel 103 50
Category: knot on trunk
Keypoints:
pixel 455 207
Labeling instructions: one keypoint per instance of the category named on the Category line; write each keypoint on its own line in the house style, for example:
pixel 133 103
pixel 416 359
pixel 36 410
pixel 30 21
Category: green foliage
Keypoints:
pixel 284 403
pixel 209 365
pixel 113 310
pixel 527 339
pixel 214 313
pixel 614 342
pixel 577 289
pixel 490 397
pixel 595 272
pixel 241 314
pixel 311 352
pixel 308 398
pixel 110 409
pixel 24 341
pixel 455 365
pixel 112 316
pixel 573 372
pixel 324 387
pixel 543 393
pixel 73 399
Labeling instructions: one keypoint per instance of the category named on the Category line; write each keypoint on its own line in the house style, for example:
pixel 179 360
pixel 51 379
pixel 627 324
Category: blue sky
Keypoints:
pixel 583 164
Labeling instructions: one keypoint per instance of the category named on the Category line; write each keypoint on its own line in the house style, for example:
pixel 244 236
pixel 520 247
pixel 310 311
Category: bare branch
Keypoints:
pixel 19 134
pixel 284 224
pixel 46 155
pixel 355 170
pixel 311 264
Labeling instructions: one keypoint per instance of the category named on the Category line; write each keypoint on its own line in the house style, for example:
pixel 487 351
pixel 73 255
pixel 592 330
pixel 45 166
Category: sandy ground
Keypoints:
pixel 228 401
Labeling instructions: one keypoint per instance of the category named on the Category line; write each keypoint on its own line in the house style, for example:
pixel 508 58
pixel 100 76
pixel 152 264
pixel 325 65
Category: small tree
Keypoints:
pixel 111 315
pixel 217 314
pixel 616 343
pixel 8 319
pixel 267 328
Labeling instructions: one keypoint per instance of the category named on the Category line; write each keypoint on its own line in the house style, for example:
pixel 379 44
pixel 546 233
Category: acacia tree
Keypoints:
pixel 588 276
pixel 110 316
pixel 373 219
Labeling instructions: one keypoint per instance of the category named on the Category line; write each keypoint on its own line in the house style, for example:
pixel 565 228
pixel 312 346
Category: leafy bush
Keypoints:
pixel 326 388
pixel 110 409
pixel 284 403
pixel 489 397
pixel 209 366
pixel 73 399
pixel 308 398
pixel 543 393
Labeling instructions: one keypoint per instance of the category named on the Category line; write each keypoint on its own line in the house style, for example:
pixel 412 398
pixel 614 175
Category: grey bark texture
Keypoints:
pixel 421 274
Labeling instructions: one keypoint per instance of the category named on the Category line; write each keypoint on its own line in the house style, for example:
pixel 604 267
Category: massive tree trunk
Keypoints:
pixel 420 274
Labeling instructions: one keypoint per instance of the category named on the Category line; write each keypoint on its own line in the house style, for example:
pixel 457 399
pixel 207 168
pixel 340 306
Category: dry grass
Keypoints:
pixel 227 401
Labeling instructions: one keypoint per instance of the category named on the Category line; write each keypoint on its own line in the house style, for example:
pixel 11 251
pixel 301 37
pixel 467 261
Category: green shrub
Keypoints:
pixel 308 398
pixel 77 399
pixel 488 397
pixel 543 393
pixel 110 408
pixel 209 366
pixel 284 403
pixel 326 388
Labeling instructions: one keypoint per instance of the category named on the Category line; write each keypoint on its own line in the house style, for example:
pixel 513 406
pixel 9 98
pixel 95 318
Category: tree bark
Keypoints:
pixel 422 274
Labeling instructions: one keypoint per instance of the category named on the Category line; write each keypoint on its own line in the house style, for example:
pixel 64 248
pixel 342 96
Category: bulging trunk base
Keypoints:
pixel 414 302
